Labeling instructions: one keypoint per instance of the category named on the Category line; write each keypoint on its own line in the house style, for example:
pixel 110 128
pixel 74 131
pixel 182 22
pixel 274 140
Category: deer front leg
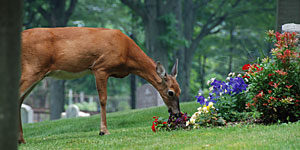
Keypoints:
pixel 101 83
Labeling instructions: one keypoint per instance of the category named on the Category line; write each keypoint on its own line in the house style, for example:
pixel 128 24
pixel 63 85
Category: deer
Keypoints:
pixel 72 52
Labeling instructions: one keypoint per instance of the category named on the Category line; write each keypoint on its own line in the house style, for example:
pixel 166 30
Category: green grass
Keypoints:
pixel 132 130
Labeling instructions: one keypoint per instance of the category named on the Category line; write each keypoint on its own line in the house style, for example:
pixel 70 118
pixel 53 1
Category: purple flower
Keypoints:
pixel 234 86
pixel 200 99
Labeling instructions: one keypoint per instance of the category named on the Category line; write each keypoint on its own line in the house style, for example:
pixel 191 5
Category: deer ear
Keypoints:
pixel 160 70
pixel 175 69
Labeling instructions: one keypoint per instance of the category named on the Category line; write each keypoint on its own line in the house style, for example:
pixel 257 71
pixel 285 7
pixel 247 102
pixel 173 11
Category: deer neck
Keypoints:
pixel 145 67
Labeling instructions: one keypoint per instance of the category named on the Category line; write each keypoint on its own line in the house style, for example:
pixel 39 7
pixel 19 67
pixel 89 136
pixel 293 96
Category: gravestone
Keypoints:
pixel 26 114
pixel 72 111
pixel 70 97
pixel 147 96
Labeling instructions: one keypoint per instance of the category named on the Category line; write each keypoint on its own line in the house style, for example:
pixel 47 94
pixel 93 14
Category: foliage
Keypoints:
pixel 206 116
pixel 229 97
pixel 174 123
pixel 130 130
pixel 274 83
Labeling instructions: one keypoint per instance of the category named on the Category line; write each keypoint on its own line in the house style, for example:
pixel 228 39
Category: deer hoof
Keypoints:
pixel 101 133
pixel 21 141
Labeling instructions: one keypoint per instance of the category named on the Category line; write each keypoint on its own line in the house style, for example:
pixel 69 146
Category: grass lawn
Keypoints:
pixel 132 130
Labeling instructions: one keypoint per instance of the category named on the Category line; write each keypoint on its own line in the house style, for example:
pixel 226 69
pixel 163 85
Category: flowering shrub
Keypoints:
pixel 206 116
pixel 173 123
pixel 274 84
pixel 229 97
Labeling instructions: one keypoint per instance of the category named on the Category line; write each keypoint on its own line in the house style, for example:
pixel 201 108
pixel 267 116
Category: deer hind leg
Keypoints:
pixel 101 83
pixel 27 83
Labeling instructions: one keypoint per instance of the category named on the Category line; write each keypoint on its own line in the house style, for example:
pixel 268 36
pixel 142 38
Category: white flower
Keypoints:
pixel 192 121
pixel 204 109
pixel 208 82
pixel 228 79
pixel 199 109
pixel 212 79
pixel 187 123
pixel 229 75
pixel 246 79
pixel 239 75
pixel 233 74
pixel 205 99
pixel 210 104
pixel 211 88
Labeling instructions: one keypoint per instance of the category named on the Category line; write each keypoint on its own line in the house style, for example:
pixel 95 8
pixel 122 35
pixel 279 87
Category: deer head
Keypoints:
pixel 169 88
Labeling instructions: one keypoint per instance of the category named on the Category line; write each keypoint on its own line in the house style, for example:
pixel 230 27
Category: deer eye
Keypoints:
pixel 171 93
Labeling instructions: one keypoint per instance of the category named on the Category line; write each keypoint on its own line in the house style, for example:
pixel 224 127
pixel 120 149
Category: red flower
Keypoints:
pixel 276 85
pixel 269 91
pixel 164 123
pixel 153 127
pixel 287 53
pixel 245 76
pixel 271 74
pixel 265 104
pixel 246 67
pixel 288 86
pixel 260 94
pixel 271 83
pixel 280 72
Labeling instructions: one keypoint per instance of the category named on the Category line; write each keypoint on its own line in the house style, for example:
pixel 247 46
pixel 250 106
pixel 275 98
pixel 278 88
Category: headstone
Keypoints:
pixel 91 99
pixel 291 27
pixel 72 111
pixel 147 96
pixel 81 97
pixel 70 97
pixel 26 114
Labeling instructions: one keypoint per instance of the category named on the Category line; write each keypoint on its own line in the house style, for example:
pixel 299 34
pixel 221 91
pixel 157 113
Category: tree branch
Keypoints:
pixel 44 13
pixel 70 9
pixel 137 6
pixel 209 26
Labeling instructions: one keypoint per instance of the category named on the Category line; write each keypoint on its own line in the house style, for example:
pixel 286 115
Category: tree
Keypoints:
pixel 194 21
pixel 57 14
pixel 288 11
pixel 10 21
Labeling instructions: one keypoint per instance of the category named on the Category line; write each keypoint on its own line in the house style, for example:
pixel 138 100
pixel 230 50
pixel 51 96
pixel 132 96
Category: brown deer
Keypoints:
pixel 76 51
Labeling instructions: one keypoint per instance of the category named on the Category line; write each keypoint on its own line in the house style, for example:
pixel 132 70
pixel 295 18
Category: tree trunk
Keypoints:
pixel 132 91
pixel 57 16
pixel 288 11
pixel 231 50
pixel 57 98
pixel 203 72
pixel 10 21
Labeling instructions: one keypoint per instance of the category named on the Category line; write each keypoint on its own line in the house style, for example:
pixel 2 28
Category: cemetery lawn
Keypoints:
pixel 132 130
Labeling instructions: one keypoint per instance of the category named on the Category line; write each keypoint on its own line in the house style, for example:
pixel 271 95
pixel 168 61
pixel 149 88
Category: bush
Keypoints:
pixel 274 83
pixel 229 97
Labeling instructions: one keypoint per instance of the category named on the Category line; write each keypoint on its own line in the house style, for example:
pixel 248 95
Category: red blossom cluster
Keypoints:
pixel 155 123
pixel 284 45
pixel 251 69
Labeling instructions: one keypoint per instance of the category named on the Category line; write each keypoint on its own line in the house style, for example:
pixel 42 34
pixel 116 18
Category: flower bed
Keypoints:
pixel 268 90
